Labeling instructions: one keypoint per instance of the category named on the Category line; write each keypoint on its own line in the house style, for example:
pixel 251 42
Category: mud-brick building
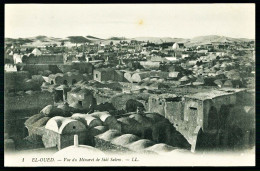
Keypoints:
pixel 60 131
pixel 169 105
pixel 83 97
pixel 103 74
pixel 106 74
pixel 60 94
pixel 82 67
pixel 205 116
pixel 68 78
pixel 202 117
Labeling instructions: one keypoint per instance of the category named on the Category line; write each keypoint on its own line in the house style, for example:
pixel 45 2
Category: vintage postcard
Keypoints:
pixel 129 85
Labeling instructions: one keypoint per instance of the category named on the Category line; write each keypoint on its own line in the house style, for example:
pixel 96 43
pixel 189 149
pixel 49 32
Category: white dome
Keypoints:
pixel 78 151
pixel 36 52
pixel 175 46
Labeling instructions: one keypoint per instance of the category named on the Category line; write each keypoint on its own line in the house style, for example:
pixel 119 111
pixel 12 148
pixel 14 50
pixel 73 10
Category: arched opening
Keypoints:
pixel 223 115
pixel 200 143
pixel 65 82
pixel 52 82
pixel 25 132
pixel 213 118
pixel 58 96
pixel 235 137
pixel 80 103
pixel 206 141
pixel 74 81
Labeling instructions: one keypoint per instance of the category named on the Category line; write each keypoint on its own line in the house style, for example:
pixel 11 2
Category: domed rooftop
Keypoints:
pixel 175 46
pixel 140 145
pixel 159 148
pixel 89 121
pixel 62 125
pixel 109 135
pixel 77 150
pixel 98 130
pixel 81 150
pixel 125 139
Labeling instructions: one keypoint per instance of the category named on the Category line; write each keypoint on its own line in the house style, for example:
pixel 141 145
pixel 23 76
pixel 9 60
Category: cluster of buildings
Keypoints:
pixel 131 96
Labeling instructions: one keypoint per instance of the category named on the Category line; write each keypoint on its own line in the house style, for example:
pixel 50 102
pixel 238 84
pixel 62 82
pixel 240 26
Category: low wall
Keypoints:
pixel 45 59
pixel 15 80
pixel 35 68
pixel 36 101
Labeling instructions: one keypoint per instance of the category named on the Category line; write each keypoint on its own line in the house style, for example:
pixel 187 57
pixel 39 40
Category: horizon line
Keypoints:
pixel 131 37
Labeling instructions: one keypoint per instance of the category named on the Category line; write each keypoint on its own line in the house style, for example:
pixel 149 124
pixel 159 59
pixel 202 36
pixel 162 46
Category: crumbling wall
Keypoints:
pixel 50 139
pixel 189 118
pixel 191 89
pixel 174 111
pixel 157 105
pixel 87 100
pixel 119 101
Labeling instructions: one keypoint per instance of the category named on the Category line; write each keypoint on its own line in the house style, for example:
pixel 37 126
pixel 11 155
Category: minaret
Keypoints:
pixel 76 140
pixel 84 50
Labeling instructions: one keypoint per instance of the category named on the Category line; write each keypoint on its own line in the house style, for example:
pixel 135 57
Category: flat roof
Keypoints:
pixel 165 95
pixel 211 94
pixel 104 69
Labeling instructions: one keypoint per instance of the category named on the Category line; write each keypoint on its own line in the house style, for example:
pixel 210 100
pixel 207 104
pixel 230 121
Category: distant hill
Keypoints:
pixel 18 41
pixel 78 39
pixel 92 37
pixel 117 38
pixel 214 38
pixel 44 40
pixel 194 41
pixel 35 41
pixel 160 39
pixel 41 37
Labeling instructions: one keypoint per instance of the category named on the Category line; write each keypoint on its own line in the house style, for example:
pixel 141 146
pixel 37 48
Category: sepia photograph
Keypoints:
pixel 129 85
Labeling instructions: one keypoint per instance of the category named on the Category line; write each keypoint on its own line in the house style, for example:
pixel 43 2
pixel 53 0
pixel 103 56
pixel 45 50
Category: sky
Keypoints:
pixel 130 20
